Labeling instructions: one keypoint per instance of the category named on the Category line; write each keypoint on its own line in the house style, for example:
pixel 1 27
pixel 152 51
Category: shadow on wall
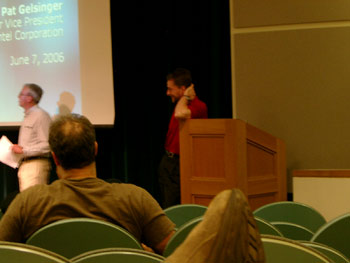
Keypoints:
pixel 66 103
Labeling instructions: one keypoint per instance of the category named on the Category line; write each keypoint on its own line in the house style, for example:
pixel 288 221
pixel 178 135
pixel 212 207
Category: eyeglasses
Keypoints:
pixel 23 94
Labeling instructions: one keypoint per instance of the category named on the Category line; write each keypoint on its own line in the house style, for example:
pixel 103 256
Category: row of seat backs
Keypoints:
pixel 284 229
pixel 183 213
pixel 72 237
pixel 336 234
pixel 330 252
pixel 86 234
pixel 269 229
pixel 177 239
pixel 287 219
pixel 293 220
pixel 185 217
pixel 281 229
pixel 113 255
pixel 292 212
pixel 11 252
pixel 180 235
pixel 16 252
pixel 279 249
pixel 106 230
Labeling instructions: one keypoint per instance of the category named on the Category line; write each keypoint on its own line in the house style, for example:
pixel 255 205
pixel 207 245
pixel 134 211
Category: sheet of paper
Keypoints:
pixel 6 155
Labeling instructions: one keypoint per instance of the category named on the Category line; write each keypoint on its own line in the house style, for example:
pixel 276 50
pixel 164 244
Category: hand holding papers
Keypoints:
pixel 6 155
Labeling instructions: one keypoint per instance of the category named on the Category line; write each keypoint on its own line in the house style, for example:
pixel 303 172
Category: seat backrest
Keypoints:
pixel 113 255
pixel 330 252
pixel 279 249
pixel 293 231
pixel 180 235
pixel 11 252
pixel 181 214
pixel 292 212
pixel 266 227
pixel 71 237
pixel 336 234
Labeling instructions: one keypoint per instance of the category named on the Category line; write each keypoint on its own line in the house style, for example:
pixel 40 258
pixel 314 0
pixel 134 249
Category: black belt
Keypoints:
pixel 171 155
pixel 38 157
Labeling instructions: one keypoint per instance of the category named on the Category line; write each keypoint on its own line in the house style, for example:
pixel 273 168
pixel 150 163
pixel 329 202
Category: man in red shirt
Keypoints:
pixel 181 91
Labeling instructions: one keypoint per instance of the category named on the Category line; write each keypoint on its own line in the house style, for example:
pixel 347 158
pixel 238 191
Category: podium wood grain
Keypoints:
pixel 218 154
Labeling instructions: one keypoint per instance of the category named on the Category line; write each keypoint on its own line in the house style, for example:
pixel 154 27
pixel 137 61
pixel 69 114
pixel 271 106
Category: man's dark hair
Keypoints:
pixel 72 139
pixel 35 91
pixel 181 77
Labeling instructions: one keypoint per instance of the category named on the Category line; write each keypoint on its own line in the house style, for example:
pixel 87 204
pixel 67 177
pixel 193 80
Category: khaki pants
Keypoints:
pixel 33 172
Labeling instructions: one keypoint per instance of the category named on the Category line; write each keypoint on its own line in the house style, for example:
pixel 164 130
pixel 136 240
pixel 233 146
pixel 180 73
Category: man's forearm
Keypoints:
pixel 181 109
pixel 161 246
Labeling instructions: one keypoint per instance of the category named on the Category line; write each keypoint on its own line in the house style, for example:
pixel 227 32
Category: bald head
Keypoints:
pixel 72 139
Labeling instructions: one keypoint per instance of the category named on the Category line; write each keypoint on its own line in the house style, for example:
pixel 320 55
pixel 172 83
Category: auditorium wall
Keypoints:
pixel 291 76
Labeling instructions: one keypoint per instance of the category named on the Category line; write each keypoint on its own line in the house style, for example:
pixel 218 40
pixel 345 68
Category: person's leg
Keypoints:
pixel 33 172
pixel 169 181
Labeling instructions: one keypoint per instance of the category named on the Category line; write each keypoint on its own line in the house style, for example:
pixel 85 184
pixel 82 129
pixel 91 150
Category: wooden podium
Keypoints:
pixel 218 154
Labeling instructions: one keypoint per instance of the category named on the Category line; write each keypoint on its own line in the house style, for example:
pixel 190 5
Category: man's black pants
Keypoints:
pixel 169 180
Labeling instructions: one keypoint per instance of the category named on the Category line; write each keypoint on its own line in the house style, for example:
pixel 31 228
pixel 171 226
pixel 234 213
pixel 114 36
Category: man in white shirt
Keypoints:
pixel 33 139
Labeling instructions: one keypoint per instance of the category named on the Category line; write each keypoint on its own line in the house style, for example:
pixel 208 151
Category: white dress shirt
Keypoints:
pixel 34 132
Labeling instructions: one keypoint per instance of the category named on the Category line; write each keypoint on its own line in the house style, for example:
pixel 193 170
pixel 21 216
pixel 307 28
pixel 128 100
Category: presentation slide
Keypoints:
pixel 49 43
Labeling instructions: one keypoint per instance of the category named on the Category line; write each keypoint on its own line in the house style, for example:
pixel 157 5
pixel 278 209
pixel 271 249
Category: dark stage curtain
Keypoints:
pixel 150 39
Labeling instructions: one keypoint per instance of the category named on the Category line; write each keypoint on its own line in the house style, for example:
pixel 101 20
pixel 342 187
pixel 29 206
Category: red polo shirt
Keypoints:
pixel 198 111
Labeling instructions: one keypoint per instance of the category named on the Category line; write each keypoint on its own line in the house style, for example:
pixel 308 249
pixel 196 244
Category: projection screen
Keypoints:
pixel 64 46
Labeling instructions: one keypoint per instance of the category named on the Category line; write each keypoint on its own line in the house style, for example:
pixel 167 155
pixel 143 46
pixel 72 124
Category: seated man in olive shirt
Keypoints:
pixel 79 193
